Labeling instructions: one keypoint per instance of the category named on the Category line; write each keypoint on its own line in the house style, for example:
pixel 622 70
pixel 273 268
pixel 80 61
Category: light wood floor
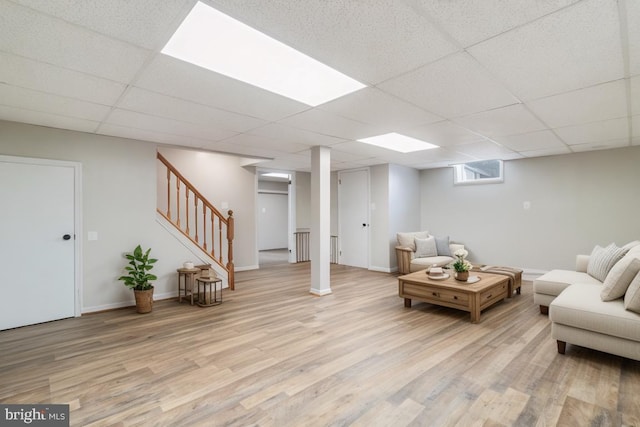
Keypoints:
pixel 273 355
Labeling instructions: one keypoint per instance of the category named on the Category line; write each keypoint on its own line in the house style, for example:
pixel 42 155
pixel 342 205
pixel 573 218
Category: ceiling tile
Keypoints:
pixel 361 149
pixel 139 22
pixel 601 145
pixel 486 150
pixel 472 21
pixel 600 102
pixel 43 77
pixel 595 133
pixel 34 35
pixel 156 104
pixel 249 140
pixel 167 126
pixel 14 114
pixel 576 47
pixel 284 133
pixel 27 99
pixel 451 87
pixel 372 106
pixel 546 152
pixel 444 134
pixel 541 140
pixel 368 41
pixel 326 123
pixel 633 26
pixel 510 120
pixel 179 79
pixel 225 147
pixel 149 135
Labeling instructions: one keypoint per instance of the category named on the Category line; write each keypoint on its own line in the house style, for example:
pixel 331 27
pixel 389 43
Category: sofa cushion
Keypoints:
pixel 632 297
pixel 442 246
pixel 406 239
pixel 555 281
pixel 603 259
pixel 425 247
pixel 426 262
pixel 580 306
pixel 619 278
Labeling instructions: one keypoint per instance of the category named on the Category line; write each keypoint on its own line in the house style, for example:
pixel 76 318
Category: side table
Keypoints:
pixel 186 277
pixel 209 295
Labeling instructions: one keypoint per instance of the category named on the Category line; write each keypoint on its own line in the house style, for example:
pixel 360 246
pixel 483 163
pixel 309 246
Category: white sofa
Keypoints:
pixel 578 313
pixel 410 259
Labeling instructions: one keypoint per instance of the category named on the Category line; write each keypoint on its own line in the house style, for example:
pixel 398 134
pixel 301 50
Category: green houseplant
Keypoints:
pixel 139 278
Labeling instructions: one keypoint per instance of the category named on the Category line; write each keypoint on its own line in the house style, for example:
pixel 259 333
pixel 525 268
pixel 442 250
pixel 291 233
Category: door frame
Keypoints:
pixel 77 220
pixel 368 249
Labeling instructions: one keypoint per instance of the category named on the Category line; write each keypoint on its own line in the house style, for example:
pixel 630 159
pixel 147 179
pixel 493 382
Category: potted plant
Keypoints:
pixel 461 265
pixel 139 278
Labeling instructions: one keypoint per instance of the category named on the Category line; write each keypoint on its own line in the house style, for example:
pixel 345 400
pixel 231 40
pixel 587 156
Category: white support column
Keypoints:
pixel 320 238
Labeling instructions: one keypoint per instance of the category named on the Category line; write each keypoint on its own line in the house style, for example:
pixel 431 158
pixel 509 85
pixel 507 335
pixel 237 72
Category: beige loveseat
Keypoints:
pixel 430 251
pixel 598 305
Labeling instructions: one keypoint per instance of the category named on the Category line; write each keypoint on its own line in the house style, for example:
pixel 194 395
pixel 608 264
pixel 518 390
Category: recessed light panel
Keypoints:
pixel 396 142
pixel 276 175
pixel 215 41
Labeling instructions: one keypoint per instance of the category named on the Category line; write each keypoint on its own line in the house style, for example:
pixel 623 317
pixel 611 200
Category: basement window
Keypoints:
pixel 480 172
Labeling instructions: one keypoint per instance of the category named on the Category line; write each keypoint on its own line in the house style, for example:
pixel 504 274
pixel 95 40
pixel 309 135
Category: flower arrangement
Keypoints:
pixel 461 264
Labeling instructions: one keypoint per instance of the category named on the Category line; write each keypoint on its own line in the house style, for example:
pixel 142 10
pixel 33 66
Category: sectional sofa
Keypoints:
pixel 598 305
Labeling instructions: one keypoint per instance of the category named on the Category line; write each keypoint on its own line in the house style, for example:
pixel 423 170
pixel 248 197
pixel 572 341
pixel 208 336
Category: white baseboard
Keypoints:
pixel 131 303
pixel 247 268
pixel 382 269
pixel 320 293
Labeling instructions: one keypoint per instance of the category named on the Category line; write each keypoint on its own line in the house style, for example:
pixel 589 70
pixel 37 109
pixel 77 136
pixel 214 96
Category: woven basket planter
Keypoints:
pixel 144 300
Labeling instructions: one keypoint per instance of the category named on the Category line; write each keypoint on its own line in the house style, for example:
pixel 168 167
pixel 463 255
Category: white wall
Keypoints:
pixel 577 201
pixel 119 202
pixel 404 205
pixel 273 221
pixel 379 218
pixel 303 200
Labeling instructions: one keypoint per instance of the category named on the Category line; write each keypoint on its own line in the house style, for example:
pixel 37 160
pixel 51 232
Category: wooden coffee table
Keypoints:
pixel 451 293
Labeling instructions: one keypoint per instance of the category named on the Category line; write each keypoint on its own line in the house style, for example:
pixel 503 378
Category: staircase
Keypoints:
pixel 196 218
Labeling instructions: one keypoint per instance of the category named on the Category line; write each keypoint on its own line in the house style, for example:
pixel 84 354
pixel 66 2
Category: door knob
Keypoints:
pixel 66 237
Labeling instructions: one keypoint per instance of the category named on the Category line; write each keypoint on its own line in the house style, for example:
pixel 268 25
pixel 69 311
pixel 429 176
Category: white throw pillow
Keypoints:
pixel 406 240
pixel 603 259
pixel 632 297
pixel 619 278
pixel 426 247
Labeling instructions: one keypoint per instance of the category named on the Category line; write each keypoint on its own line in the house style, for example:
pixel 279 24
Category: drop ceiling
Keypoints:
pixel 479 78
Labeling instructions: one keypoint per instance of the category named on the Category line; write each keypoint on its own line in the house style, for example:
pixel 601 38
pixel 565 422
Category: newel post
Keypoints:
pixel 230 230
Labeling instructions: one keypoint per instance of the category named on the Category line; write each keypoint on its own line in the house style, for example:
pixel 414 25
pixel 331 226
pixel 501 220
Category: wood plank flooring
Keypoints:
pixel 273 355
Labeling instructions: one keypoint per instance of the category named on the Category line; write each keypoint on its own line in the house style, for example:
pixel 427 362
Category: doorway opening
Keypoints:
pixel 276 217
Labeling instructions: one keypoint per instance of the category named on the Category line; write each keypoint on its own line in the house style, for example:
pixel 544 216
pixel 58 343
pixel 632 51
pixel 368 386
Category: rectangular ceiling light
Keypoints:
pixel 210 39
pixel 396 142
pixel 276 175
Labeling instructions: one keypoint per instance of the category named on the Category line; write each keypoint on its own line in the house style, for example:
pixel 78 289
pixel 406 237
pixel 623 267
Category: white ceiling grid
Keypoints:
pixel 480 78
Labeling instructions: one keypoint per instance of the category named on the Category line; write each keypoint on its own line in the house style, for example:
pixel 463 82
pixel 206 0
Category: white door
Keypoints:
pixel 36 260
pixel 353 218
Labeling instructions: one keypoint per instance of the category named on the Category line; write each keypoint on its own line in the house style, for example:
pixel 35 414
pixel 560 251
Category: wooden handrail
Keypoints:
pixel 199 236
